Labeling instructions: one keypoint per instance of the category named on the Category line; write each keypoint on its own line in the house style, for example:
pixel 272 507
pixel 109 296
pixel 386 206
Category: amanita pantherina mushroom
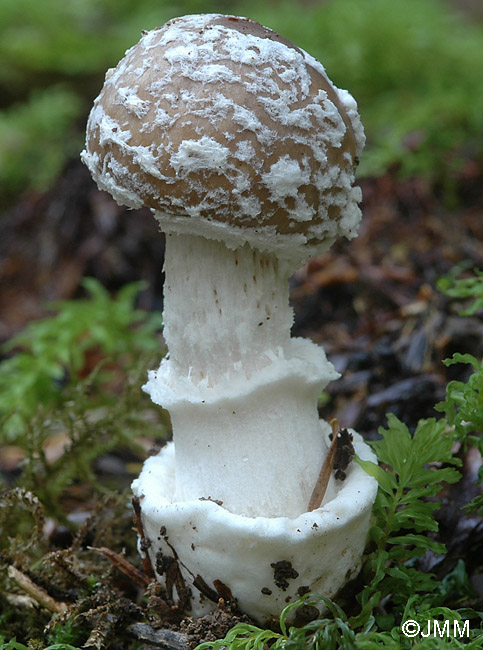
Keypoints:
pixel 246 152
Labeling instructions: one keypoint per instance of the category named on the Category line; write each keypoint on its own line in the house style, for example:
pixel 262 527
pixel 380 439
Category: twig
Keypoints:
pixel 38 593
pixel 123 565
pixel 20 600
pixel 325 471
pixel 145 542
pixel 162 638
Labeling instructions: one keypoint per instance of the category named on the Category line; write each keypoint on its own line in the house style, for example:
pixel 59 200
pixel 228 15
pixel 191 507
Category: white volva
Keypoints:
pixel 265 562
pixel 246 153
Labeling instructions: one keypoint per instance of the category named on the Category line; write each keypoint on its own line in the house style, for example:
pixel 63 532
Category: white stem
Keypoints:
pixel 224 310
pixel 241 393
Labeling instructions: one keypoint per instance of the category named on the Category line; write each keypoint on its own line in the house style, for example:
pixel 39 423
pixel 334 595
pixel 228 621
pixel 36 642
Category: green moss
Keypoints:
pixel 414 68
pixel 75 377
pixel 35 139
pixel 413 65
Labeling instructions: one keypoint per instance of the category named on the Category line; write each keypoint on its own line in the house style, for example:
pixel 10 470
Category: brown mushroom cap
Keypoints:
pixel 220 124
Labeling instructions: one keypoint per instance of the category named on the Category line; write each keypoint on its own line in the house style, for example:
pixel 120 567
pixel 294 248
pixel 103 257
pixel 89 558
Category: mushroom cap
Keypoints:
pixel 228 130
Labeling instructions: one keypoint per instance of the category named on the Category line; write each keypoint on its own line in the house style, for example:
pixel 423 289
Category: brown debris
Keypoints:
pixel 36 592
pixel 49 242
pixel 344 453
pixel 283 571
pixel 322 482
pixel 123 565
pixel 213 626
pixel 160 638
pixel 145 542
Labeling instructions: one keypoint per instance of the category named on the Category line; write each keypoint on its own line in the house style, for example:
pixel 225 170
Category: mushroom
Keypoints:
pixel 245 152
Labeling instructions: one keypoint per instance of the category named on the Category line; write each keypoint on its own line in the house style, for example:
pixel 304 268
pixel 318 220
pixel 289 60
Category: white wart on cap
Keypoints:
pixel 228 130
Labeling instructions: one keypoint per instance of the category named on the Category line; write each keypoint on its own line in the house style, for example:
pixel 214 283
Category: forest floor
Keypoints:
pixel 373 304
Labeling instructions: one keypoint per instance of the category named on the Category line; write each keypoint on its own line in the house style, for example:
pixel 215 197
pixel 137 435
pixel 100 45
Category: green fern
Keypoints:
pixel 409 476
pixel 412 471
pixel 456 285
pixel 463 406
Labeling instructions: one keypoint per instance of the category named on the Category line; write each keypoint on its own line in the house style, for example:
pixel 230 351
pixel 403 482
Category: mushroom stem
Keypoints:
pixel 241 393
pixel 225 311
